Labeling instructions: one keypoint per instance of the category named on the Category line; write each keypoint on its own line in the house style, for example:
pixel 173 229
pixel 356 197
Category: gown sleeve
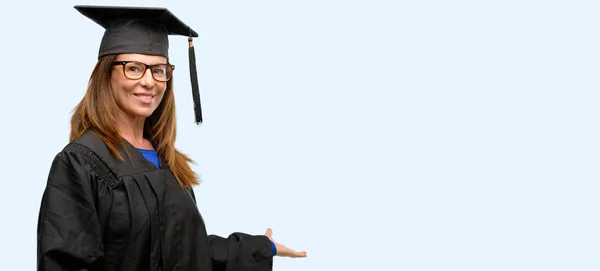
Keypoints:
pixel 240 251
pixel 69 235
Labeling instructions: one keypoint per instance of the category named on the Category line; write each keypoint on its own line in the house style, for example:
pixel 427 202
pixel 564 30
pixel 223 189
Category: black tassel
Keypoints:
pixel 194 79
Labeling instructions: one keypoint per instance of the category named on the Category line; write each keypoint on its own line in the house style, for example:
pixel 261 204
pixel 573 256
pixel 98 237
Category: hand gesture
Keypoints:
pixel 284 251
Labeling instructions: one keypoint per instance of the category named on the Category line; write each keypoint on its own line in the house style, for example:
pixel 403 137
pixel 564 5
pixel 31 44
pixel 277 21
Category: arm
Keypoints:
pixel 241 252
pixel 69 233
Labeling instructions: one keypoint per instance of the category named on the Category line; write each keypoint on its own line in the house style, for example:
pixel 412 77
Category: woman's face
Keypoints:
pixel 137 97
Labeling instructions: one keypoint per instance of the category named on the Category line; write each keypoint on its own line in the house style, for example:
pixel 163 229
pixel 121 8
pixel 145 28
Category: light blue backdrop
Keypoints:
pixel 377 135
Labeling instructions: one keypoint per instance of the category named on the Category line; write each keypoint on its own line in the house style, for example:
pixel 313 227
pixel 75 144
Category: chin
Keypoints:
pixel 144 113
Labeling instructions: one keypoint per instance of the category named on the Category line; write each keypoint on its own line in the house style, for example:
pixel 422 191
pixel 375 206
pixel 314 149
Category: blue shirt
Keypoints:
pixel 151 156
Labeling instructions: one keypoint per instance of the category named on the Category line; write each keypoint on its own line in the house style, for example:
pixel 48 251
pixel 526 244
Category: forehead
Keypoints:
pixel 146 59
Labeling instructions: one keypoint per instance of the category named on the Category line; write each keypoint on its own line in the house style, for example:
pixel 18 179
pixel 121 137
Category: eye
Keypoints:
pixel 159 70
pixel 133 68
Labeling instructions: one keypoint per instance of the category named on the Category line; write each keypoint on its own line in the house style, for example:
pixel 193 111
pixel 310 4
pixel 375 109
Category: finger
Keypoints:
pixel 284 251
pixel 299 254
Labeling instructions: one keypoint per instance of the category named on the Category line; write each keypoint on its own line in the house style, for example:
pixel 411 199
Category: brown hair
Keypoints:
pixel 97 112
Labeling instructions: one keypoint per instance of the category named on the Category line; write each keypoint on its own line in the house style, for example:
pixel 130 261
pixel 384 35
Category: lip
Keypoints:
pixel 144 100
pixel 144 94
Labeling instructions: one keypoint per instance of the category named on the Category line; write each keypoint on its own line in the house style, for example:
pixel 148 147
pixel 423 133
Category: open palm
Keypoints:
pixel 282 250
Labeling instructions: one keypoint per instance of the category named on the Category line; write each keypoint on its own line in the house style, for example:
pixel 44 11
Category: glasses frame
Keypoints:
pixel 123 63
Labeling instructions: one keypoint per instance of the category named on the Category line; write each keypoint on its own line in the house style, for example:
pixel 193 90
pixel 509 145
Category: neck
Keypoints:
pixel 132 129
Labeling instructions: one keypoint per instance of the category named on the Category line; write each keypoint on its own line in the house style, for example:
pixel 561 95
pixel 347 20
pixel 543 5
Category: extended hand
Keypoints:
pixel 284 251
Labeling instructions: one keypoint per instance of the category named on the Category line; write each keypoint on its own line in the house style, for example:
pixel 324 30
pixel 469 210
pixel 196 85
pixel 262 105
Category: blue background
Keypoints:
pixel 375 135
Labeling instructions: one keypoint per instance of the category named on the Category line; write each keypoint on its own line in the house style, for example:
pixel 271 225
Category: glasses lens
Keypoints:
pixel 161 72
pixel 134 70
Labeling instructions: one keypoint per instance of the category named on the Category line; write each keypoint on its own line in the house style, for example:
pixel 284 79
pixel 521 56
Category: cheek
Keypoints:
pixel 127 86
pixel 120 86
pixel 162 89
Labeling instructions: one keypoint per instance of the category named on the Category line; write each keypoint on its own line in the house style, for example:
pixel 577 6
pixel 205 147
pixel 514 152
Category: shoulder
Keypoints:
pixel 87 153
pixel 90 140
pixel 80 150
pixel 90 147
pixel 74 157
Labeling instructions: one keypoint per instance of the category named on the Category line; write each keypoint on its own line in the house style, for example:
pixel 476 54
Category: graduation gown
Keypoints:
pixel 101 213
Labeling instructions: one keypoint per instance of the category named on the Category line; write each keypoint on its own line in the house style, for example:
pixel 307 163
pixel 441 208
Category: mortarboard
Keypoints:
pixel 143 30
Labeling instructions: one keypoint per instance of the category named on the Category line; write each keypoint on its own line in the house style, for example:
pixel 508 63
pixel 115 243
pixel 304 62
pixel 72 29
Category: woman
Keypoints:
pixel 119 194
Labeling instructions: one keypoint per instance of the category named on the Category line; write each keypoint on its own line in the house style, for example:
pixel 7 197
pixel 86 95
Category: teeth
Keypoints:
pixel 145 96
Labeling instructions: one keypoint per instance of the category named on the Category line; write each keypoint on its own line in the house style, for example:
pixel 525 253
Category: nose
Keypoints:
pixel 147 80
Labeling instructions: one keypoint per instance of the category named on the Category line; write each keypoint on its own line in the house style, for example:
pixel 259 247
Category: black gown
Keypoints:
pixel 101 213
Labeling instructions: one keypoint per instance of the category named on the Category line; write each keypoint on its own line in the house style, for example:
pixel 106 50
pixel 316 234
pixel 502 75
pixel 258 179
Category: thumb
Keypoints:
pixel 269 233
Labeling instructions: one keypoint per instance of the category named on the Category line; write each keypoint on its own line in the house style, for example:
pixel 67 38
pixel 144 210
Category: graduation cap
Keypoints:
pixel 143 30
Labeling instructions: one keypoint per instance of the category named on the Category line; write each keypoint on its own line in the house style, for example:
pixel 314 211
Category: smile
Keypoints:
pixel 145 98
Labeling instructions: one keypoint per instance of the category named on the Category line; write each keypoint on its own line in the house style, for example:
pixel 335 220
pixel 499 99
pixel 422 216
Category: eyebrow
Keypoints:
pixel 128 60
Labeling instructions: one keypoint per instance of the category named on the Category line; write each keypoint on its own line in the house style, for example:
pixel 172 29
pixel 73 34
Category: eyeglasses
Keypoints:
pixel 135 70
